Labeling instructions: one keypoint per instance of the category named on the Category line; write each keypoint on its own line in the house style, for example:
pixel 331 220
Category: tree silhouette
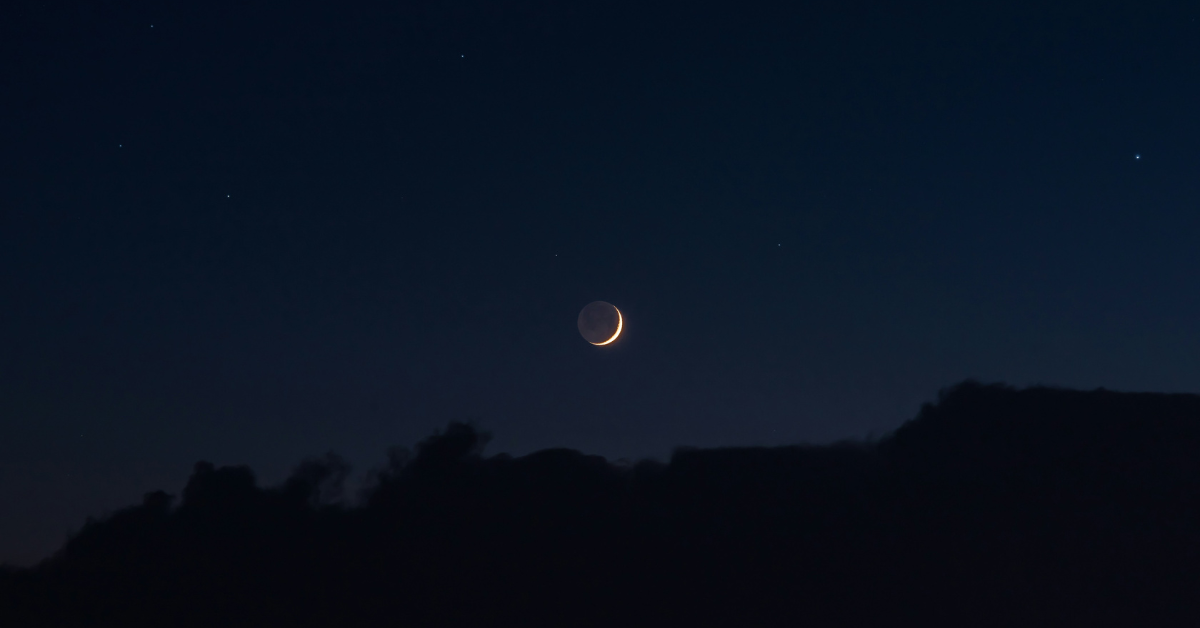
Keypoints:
pixel 993 507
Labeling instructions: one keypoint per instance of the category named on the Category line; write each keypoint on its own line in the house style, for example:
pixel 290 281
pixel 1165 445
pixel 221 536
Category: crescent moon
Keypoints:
pixel 620 321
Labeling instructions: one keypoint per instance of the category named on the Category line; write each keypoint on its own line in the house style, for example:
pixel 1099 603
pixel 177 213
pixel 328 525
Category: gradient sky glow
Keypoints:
pixel 260 231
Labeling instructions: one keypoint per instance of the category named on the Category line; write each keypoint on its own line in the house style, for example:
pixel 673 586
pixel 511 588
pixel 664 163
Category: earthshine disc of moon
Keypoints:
pixel 600 323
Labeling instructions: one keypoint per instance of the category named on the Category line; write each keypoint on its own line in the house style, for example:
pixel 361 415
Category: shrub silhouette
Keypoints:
pixel 993 507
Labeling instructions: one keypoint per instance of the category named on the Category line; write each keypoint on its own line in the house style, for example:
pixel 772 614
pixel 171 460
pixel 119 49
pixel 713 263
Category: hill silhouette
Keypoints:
pixel 993 507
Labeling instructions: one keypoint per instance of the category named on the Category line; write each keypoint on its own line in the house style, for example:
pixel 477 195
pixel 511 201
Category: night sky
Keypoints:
pixel 248 232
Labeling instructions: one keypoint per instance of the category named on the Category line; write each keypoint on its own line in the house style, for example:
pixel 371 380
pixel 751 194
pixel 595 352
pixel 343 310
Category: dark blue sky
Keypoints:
pixel 257 231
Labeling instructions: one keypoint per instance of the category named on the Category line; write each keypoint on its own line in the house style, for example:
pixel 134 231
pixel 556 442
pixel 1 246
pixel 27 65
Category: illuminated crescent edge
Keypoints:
pixel 620 321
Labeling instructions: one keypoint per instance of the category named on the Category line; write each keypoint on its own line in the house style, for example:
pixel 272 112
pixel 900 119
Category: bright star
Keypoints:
pixel 1137 156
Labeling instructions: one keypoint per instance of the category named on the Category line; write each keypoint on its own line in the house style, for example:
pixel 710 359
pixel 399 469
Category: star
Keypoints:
pixel 1137 156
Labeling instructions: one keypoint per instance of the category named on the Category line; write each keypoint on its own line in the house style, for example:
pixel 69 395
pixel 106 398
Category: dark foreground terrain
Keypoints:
pixel 994 507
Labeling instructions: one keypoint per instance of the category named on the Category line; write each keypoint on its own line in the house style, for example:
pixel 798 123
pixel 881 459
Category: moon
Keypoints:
pixel 600 323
